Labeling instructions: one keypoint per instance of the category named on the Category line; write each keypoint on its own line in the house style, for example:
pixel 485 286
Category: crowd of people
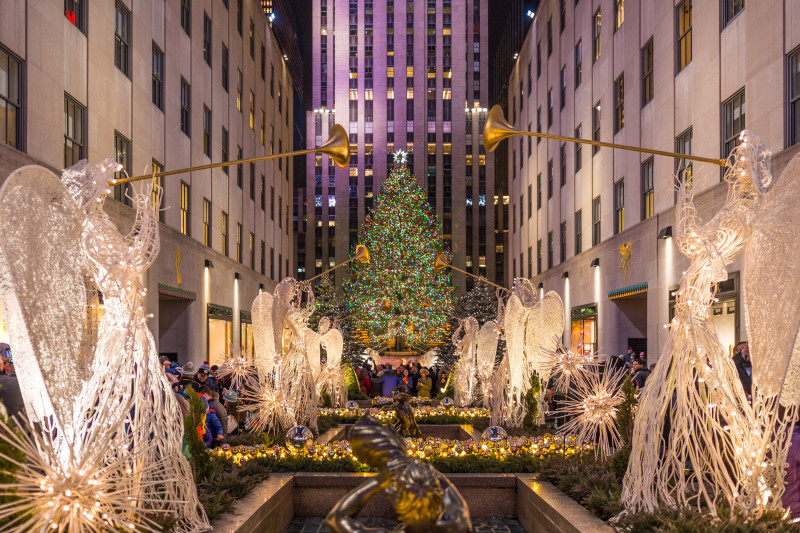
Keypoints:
pixel 381 380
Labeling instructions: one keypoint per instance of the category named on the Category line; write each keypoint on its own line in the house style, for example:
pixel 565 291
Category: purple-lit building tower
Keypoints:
pixel 401 75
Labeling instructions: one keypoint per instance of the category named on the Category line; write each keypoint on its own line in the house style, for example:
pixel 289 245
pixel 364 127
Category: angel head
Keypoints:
pixel 324 325
pixel 749 165
pixel 285 291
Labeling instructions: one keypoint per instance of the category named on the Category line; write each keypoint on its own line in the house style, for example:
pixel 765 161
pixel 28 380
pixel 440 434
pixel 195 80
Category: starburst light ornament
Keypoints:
pixel 569 363
pixel 239 368
pixel 400 157
pixel 592 409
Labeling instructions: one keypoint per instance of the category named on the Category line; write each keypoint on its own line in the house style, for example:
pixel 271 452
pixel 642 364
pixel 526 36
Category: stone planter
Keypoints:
pixel 443 431
pixel 539 507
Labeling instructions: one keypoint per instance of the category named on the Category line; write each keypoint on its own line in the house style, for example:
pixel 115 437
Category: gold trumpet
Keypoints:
pixel 362 255
pixel 497 129
pixel 441 263
pixel 337 148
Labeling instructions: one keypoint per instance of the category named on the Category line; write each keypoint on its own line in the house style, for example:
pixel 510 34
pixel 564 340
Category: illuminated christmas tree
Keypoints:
pixel 399 294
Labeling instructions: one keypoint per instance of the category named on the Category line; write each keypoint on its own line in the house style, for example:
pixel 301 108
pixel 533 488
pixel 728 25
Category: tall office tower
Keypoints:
pixel 400 75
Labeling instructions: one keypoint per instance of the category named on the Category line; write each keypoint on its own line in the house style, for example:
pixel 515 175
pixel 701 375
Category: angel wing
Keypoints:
pixel 771 289
pixel 333 342
pixel 488 337
pixel 545 326
pixel 44 281
pixel 269 315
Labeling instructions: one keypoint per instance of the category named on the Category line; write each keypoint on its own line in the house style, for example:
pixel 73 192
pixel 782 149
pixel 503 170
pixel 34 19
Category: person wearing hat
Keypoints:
pixel 424 384
pixel 165 366
pixel 230 399
pixel 187 371
pixel 213 380
pixel 201 378
pixel 215 405
pixel 214 432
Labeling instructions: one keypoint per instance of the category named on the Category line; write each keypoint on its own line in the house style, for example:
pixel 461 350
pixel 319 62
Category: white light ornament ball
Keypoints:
pixel 494 434
pixel 351 405
pixel 299 437
pixel 447 402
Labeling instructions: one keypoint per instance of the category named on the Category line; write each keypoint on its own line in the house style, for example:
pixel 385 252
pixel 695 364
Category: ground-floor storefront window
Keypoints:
pixel 584 328
pixel 220 333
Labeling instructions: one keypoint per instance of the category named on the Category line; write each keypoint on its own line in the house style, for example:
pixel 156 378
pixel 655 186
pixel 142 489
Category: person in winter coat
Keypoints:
pixel 640 372
pixel 791 498
pixel 374 385
pixel 215 405
pixel 741 358
pixel 166 364
pixel 214 432
pixel 388 380
pixel 363 382
pixel 187 371
pixel 424 384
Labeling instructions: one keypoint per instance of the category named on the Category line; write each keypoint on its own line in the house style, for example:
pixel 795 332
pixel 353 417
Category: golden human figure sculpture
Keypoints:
pixel 406 425
pixel 423 498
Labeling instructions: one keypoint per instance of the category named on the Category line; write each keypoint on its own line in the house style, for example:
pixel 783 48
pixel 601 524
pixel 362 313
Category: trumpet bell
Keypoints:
pixel 362 254
pixel 337 147
pixel 441 262
pixel 496 129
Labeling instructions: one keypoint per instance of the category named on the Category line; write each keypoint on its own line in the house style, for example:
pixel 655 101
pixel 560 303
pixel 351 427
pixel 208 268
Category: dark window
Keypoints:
pixel 252 251
pixel 74 117
pixel 239 244
pixel 239 16
pixel 619 103
pixel 263 194
pixel 207 131
pixel 10 99
pixel 683 167
pixel 538 59
pixel 550 108
pixel 530 261
pixel 684 26
pixel 578 161
pixel 225 149
pixel 794 96
pixel 253 181
pixel 563 248
pixel 122 37
pixel 122 155
pixel 596 221
pixel 648 189
pixel 186 16
pixel 75 11
pixel 538 256
pixel 550 246
pixel 550 179
pixel 186 102
pixel 158 77
pixel 530 201
pixel 562 20
pixel 619 206
pixel 239 168
pixel 563 157
pixel 263 257
pixel 225 67
pixel 647 72
pixel 563 87
pixel 538 123
pixel 578 231
pixel 578 63
pixel 252 40
pixel 539 191
pixel 732 121
pixel 731 8
pixel 272 203
pixel 596 27
pixel 224 228
pixel 263 62
pixel 596 126
pixel 549 37
pixel 207 38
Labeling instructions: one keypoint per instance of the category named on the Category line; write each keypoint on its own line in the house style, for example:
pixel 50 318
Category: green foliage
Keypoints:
pixel 531 403
pixel 619 461
pixel 385 296
pixel 627 410
pixel 353 388
pixel 480 302
pixel 329 302
pixel 193 426
pixel 226 483
pixel 8 468
pixel 691 521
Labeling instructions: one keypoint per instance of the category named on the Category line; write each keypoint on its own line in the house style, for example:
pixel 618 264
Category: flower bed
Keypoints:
pixel 425 414
pixel 514 454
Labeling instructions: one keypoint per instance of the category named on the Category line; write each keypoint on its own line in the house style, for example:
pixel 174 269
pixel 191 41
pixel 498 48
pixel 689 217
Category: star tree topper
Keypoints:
pixel 400 157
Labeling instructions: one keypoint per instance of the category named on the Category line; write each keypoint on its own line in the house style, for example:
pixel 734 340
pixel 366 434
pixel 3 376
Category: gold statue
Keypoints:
pixel 423 498
pixel 406 425
pixel 626 261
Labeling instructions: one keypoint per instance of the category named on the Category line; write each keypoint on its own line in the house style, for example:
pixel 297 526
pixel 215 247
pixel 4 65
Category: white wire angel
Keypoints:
pixel 328 377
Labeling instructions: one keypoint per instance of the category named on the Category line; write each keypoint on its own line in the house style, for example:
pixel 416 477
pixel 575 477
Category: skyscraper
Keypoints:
pixel 401 75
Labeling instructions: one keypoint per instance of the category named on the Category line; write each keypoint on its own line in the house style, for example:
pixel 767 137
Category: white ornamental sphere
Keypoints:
pixel 494 434
pixel 351 405
pixel 447 402
pixel 299 437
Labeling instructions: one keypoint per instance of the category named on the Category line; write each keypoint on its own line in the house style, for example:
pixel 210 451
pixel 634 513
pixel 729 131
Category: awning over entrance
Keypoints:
pixel 178 293
pixel 632 290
